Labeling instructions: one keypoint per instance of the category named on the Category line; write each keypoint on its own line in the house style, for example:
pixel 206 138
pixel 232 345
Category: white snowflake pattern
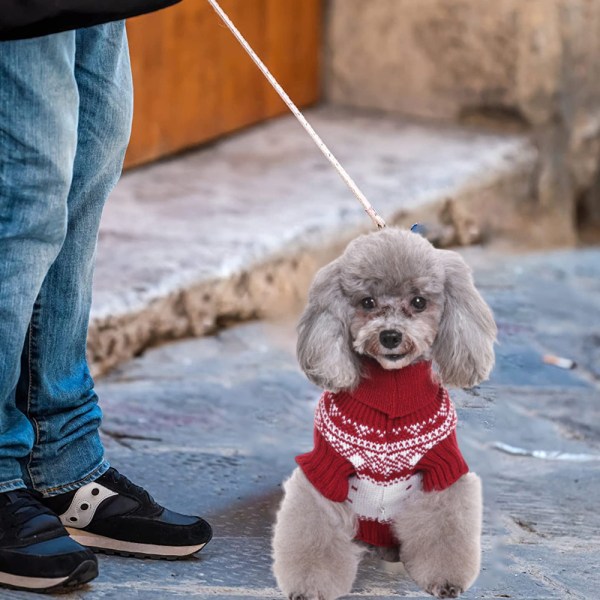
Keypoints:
pixel 383 458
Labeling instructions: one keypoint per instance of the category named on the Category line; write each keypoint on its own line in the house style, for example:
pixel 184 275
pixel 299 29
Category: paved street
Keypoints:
pixel 211 426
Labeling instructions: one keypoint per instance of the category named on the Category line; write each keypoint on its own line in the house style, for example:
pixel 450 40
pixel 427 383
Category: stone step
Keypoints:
pixel 236 230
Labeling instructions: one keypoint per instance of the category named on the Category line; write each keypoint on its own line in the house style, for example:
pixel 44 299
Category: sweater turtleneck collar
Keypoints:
pixel 397 392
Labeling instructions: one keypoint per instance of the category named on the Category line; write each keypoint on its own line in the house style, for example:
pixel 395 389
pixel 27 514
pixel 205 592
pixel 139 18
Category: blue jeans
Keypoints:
pixel 65 120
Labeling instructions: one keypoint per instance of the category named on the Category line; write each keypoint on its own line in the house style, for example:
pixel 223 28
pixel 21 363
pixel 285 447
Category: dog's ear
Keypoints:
pixel 464 345
pixel 324 346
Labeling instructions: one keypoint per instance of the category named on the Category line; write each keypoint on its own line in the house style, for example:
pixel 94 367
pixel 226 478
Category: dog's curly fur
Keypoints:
pixel 372 288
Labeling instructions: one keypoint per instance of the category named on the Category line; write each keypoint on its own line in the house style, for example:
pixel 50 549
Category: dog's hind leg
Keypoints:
pixel 314 557
pixel 440 537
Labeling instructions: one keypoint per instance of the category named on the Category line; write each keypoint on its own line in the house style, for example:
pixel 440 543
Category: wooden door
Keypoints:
pixel 193 81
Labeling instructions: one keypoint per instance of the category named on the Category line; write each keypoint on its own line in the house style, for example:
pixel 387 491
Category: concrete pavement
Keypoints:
pixel 211 426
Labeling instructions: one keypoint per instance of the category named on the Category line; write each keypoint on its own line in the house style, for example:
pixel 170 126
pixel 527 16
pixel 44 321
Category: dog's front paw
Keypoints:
pixel 445 590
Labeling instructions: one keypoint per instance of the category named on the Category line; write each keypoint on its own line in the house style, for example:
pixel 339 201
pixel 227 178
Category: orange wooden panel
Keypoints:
pixel 194 82
pixel 293 33
pixel 242 91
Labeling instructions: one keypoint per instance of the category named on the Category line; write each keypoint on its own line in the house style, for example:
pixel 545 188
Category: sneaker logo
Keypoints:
pixel 84 505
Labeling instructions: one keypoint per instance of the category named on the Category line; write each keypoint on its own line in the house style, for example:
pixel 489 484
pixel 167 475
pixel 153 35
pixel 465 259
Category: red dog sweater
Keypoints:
pixel 375 445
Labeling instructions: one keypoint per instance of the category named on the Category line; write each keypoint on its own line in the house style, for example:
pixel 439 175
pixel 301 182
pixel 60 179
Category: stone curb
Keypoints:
pixel 236 230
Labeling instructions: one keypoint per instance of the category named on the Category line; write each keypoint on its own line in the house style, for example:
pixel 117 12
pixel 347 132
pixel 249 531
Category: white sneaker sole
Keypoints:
pixel 106 544
pixel 30 583
pixel 85 572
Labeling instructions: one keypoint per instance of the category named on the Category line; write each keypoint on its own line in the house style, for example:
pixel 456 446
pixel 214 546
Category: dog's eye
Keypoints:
pixel 419 303
pixel 368 303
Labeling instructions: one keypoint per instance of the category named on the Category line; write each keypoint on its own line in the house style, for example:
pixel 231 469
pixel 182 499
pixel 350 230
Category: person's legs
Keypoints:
pixel 39 104
pixel 56 389
pixel 101 507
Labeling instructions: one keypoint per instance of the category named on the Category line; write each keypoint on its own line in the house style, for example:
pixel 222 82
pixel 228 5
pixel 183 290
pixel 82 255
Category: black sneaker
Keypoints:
pixel 36 553
pixel 114 516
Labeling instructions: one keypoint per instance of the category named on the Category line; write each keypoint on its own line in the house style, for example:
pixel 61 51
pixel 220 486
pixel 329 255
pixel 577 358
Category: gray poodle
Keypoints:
pixel 386 471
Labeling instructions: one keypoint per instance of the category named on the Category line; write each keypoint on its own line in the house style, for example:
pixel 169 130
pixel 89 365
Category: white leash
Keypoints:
pixel 379 222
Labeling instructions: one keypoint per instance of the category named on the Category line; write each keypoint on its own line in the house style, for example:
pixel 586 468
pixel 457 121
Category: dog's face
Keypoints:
pixel 396 325
pixel 393 297
pixel 394 288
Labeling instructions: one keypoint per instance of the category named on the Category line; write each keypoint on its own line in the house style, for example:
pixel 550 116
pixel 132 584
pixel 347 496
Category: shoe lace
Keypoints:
pixel 128 485
pixel 22 506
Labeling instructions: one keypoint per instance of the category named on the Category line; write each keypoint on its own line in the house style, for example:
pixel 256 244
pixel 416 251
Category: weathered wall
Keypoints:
pixel 533 64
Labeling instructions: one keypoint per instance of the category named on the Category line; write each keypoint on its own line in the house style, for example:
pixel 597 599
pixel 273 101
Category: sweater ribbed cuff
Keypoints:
pixel 326 470
pixel 443 465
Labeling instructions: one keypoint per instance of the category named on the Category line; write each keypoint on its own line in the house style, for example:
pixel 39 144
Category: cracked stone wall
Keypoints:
pixel 531 65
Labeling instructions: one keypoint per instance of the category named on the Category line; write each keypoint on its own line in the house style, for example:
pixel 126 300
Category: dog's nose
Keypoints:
pixel 390 338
